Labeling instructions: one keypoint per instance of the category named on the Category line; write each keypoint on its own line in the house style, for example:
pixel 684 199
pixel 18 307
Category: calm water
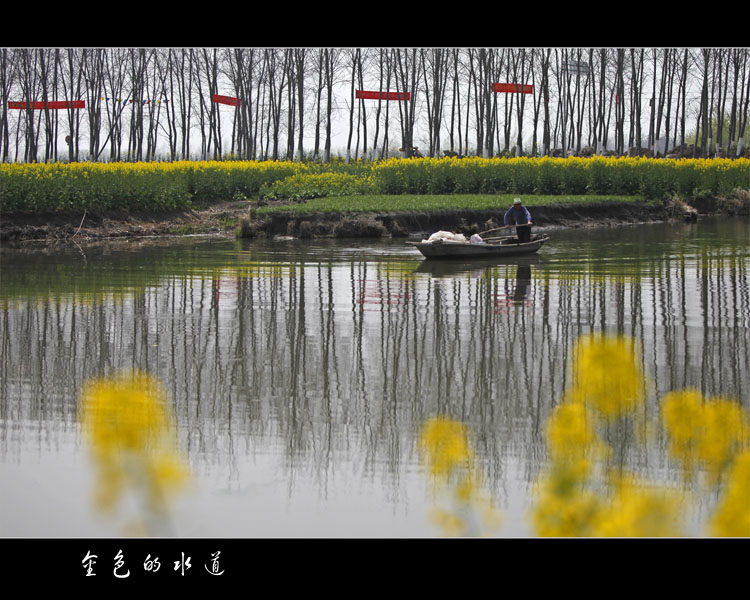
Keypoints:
pixel 300 372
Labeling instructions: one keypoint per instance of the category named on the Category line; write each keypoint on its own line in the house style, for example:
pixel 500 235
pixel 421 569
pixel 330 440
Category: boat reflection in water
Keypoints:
pixel 451 267
pixel 514 273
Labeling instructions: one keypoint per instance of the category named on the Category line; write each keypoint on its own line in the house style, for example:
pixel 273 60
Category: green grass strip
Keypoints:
pixel 417 203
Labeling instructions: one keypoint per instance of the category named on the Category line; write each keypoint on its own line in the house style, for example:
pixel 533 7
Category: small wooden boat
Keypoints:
pixel 508 246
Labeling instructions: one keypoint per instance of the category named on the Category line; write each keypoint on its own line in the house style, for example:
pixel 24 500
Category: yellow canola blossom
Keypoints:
pixel 565 507
pixel 570 514
pixel 705 432
pixel 724 434
pixel 639 511
pixel 572 502
pixel 682 417
pixel 570 431
pixel 606 375
pixel 444 444
pixel 732 517
pixel 132 440
pixel 472 511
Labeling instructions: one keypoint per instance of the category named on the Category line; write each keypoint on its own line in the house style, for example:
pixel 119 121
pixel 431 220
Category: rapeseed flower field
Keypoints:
pixel 162 186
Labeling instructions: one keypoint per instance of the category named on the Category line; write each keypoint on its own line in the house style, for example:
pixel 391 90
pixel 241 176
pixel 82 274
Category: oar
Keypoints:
pixel 506 227
pixel 495 229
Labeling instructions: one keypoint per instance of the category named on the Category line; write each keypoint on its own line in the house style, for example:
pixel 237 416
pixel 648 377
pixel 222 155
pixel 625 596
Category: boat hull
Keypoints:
pixel 445 249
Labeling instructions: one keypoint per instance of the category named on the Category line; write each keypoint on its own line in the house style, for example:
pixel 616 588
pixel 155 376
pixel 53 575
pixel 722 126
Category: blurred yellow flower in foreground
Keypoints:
pixel 131 437
pixel 565 507
pixel 703 431
pixel 572 502
pixel 562 511
pixel 570 431
pixel 472 511
pixel 636 510
pixel 444 444
pixel 723 436
pixel 682 416
pixel 606 375
pixel 732 517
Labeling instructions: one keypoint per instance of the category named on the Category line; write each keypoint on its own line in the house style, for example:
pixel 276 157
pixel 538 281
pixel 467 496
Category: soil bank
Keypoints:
pixel 229 219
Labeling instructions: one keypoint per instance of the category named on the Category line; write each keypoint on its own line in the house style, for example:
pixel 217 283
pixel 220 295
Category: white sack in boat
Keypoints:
pixel 476 239
pixel 447 236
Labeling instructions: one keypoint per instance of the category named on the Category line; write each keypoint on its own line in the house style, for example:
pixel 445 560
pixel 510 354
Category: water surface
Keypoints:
pixel 300 372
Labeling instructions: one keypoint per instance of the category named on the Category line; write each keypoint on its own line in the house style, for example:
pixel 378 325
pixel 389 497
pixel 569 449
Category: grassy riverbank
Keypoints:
pixel 380 203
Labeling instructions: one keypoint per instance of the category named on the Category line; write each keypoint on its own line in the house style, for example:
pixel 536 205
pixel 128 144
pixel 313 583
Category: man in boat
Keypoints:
pixel 522 219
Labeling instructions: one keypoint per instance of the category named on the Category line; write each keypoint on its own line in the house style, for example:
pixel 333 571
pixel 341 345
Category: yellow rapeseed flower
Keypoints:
pixel 606 375
pixel 570 431
pixel 707 432
pixel 444 445
pixel 682 416
pixel 637 511
pixel 449 523
pixel 126 413
pixel 131 438
pixel 472 512
pixel 569 515
pixel 723 435
pixel 732 517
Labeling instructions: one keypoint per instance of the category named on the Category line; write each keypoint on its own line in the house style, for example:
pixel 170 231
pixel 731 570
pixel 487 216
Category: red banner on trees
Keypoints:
pixel 231 101
pixel 383 95
pixel 512 88
pixel 52 105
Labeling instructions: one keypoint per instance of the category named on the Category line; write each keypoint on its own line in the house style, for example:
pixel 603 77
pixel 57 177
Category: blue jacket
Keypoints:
pixel 520 215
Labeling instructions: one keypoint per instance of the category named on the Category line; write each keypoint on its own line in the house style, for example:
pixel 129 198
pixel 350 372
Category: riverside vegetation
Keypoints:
pixel 287 189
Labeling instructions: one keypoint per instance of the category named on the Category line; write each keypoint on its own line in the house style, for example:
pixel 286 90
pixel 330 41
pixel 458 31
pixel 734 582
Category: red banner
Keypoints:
pixel 231 101
pixel 52 105
pixel 512 88
pixel 383 95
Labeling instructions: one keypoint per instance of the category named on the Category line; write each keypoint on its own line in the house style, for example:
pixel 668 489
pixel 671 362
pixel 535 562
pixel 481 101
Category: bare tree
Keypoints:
pixel 383 71
pixel 318 97
pixel 92 67
pixel 738 117
pixel 407 68
pixel 455 103
pixel 362 60
pixel 480 84
pixel 619 101
pixel 538 68
pixel 331 60
pixel 636 80
pixel 29 84
pixel 435 72
pixel 8 71
pixel 353 56
pixel 300 66
pixel 519 67
pixel 385 61
pixel 701 130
